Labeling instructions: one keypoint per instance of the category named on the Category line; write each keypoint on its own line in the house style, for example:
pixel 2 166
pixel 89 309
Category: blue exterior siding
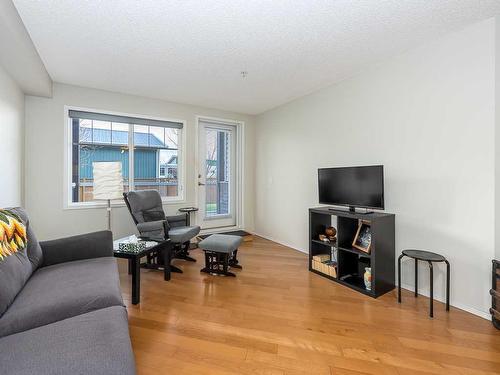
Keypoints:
pixel 145 163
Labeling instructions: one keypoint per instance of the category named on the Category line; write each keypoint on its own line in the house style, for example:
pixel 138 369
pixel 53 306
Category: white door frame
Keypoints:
pixel 240 152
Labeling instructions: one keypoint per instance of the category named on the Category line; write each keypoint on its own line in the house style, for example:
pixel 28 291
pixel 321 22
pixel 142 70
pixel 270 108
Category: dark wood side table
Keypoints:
pixel 134 262
pixel 428 257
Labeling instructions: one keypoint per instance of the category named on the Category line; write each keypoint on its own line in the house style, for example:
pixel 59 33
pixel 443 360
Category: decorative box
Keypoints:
pixel 132 247
pixel 323 264
pixel 321 257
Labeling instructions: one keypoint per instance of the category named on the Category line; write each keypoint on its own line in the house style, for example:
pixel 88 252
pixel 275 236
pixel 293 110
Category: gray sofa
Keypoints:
pixel 61 309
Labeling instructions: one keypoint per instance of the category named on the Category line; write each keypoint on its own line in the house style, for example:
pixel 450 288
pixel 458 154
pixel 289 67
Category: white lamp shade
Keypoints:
pixel 108 181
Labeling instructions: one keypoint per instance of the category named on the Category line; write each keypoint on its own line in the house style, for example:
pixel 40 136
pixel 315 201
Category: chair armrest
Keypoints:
pixel 182 218
pixel 84 246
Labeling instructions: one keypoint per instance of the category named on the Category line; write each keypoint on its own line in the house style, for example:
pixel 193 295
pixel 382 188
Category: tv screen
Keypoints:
pixel 352 186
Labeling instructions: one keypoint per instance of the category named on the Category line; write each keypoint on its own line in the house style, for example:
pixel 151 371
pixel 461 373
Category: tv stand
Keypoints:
pixel 365 212
pixel 351 262
pixel 351 209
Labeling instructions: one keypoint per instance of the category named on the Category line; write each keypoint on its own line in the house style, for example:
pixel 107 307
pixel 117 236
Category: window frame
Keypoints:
pixel 67 180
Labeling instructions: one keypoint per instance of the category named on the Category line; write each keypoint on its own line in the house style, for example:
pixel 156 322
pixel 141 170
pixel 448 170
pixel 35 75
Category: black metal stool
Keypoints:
pixel 428 257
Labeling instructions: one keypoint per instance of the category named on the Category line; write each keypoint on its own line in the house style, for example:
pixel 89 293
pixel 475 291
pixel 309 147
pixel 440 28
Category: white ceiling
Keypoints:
pixel 193 51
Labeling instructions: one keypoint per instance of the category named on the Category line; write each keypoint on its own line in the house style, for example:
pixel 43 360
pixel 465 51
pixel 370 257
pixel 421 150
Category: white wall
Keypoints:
pixel 427 116
pixel 45 158
pixel 19 56
pixel 11 141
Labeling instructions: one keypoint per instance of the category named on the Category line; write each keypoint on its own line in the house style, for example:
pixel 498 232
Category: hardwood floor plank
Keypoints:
pixel 275 317
pixel 484 355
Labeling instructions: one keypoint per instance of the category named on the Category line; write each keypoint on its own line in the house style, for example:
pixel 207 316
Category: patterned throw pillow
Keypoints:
pixel 12 233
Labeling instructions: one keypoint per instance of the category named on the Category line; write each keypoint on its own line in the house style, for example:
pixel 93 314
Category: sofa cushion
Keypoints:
pixel 62 291
pixel 17 268
pixel 95 343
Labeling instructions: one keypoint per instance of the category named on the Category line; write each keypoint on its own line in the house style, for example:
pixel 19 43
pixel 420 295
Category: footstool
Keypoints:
pixel 220 253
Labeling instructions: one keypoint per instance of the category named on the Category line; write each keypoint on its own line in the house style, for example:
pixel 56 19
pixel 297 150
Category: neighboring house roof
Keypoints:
pixel 172 160
pixel 118 137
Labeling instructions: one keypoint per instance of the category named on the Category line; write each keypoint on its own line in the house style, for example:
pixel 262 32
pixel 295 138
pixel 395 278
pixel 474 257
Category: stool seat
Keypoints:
pixel 429 257
pixel 221 243
pixel 424 255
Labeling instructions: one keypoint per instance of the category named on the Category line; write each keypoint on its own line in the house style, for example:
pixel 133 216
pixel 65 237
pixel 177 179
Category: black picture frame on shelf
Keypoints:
pixel 363 238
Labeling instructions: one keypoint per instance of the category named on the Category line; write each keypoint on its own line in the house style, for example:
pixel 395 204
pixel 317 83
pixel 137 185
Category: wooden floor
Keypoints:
pixel 275 317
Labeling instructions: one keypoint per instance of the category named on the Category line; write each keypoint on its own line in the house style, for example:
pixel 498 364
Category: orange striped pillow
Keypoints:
pixel 12 233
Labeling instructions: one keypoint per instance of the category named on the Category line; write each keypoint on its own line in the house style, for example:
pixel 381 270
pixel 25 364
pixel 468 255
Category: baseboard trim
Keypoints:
pixel 221 229
pixel 469 309
pixel 280 242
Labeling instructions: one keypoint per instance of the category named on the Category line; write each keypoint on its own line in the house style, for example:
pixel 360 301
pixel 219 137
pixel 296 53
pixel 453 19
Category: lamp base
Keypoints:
pixel 109 214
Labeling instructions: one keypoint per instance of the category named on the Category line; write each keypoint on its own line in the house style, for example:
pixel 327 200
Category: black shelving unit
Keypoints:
pixel 495 294
pixel 351 262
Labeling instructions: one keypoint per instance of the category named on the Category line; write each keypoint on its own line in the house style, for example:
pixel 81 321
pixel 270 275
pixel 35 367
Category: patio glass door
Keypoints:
pixel 216 178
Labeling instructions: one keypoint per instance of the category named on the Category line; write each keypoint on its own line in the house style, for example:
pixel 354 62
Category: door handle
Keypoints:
pixel 200 183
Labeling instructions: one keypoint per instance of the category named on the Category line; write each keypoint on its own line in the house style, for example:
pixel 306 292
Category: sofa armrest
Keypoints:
pixel 85 246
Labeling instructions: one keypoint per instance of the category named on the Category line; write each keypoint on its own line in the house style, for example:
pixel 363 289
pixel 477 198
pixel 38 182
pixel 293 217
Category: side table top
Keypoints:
pixel 188 209
pixel 424 255
pixel 150 243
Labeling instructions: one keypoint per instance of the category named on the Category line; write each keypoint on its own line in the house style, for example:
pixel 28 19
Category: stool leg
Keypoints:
pixel 431 271
pixel 416 278
pixel 399 277
pixel 447 285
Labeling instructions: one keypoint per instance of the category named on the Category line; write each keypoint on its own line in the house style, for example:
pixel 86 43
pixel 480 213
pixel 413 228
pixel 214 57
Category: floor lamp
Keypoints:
pixel 108 183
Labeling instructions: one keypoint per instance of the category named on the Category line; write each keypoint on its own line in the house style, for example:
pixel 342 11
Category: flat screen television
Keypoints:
pixel 352 186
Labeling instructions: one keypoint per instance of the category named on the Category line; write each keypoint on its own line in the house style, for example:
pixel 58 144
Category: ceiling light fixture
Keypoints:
pixel 243 74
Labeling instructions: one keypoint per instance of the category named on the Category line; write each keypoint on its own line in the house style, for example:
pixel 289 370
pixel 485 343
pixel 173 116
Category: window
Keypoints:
pixel 153 163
